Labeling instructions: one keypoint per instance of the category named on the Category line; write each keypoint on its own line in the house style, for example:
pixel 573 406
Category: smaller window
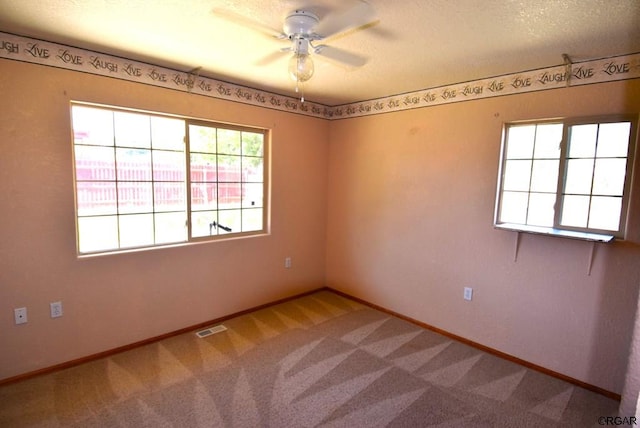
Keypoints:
pixel 568 177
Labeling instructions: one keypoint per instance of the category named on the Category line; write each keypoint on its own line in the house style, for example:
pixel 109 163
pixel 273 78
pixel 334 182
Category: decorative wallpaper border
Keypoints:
pixel 56 55
pixel 570 74
pixel 575 74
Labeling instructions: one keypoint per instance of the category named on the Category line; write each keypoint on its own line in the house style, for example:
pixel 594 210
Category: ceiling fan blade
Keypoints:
pixel 248 23
pixel 335 23
pixel 341 56
pixel 272 57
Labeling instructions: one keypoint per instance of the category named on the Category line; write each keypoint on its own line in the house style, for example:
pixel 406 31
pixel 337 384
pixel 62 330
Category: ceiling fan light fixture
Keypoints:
pixel 303 28
pixel 301 67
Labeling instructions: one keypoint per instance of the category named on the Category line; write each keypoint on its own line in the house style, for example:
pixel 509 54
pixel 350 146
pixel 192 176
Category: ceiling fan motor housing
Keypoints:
pixel 300 22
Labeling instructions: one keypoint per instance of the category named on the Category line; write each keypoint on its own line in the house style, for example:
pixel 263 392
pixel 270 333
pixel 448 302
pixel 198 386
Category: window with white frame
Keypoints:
pixel 144 179
pixel 568 177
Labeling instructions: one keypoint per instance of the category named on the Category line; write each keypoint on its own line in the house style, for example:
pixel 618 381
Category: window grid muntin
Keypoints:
pixel 532 160
pixel 562 194
pixel 224 185
pixel 121 212
pixel 631 147
pixel 186 183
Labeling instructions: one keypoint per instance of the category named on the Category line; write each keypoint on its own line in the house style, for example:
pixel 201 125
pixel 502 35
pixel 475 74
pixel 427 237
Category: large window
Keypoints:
pixel 567 177
pixel 146 180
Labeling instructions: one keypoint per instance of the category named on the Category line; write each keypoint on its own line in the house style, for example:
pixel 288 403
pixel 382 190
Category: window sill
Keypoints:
pixel 585 236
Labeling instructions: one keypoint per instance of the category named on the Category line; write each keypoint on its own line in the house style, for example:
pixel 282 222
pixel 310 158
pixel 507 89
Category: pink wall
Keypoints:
pixel 399 206
pixel 410 211
pixel 631 393
pixel 119 299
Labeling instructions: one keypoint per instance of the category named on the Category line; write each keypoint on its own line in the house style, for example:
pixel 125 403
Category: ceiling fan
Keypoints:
pixel 303 28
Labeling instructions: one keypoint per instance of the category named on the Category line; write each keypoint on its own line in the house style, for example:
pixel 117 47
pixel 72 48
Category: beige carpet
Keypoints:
pixel 320 360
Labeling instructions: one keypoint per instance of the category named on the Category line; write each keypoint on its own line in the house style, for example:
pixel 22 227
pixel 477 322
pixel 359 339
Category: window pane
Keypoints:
pixel 575 211
pixel 613 139
pixel 514 207
pixel 134 197
pixel 204 196
pixel 548 139
pixel 229 169
pixel 203 167
pixel 168 166
pixel 171 227
pixel 202 223
pixel 541 209
pixel 169 196
pixel 520 141
pixel 579 175
pixel 252 195
pixel 92 126
pixel 132 129
pixel 228 142
pixel 608 177
pixel 95 163
pixel 96 198
pixel 544 177
pixel 517 175
pixel 605 213
pixel 133 164
pixel 202 139
pixel 167 133
pixel 136 230
pixel 252 144
pixel 97 233
pixel 251 220
pixel 582 141
pixel 229 195
pixel 253 169
pixel 231 219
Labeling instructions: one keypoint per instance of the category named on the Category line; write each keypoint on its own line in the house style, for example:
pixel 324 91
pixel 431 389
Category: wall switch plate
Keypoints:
pixel 56 309
pixel 20 315
pixel 468 293
pixel 287 262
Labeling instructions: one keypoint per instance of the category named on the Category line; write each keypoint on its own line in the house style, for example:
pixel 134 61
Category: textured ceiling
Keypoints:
pixel 415 44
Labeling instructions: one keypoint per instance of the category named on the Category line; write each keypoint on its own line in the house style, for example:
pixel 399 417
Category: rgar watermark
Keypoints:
pixel 617 420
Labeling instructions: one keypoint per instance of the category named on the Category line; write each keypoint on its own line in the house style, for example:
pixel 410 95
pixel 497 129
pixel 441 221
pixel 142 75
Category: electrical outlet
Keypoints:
pixel 56 309
pixel 20 315
pixel 287 262
pixel 468 293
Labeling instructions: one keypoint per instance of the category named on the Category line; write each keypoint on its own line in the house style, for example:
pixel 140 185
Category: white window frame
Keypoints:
pixel 557 229
pixel 217 228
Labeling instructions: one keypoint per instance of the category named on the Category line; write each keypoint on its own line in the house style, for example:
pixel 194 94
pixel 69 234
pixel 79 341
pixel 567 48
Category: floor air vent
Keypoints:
pixel 211 330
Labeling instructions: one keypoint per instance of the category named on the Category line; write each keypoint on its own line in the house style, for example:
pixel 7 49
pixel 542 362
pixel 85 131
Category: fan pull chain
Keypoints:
pixel 300 90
